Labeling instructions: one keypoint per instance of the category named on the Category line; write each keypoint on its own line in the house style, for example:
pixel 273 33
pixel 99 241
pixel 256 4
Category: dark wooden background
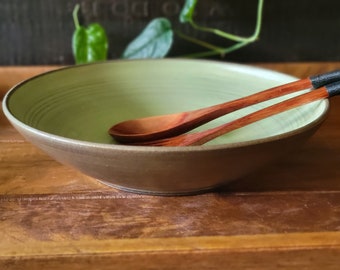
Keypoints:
pixel 38 32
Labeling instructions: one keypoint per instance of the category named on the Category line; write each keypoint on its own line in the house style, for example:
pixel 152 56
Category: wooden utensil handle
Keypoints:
pixel 333 89
pixel 325 78
pixel 329 90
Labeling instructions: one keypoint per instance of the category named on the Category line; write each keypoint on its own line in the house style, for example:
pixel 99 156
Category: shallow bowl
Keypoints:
pixel 68 112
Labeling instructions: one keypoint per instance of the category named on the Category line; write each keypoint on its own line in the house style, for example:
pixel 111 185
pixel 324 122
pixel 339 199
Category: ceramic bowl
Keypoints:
pixel 67 114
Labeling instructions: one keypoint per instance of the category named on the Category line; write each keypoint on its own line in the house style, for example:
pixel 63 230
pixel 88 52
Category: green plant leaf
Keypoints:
pixel 89 44
pixel 154 42
pixel 187 12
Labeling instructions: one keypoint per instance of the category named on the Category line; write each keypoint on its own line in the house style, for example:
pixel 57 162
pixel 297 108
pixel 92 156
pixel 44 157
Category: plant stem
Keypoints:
pixel 231 36
pixel 241 41
pixel 202 43
pixel 75 16
pixel 258 20
pixel 222 52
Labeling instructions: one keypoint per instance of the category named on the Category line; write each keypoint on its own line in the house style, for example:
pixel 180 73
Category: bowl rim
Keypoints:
pixel 121 147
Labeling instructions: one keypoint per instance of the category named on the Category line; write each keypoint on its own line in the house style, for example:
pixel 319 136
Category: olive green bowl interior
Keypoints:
pixel 68 112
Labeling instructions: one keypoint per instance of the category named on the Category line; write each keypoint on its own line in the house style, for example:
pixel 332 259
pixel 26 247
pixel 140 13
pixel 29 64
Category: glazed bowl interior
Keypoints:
pixel 82 103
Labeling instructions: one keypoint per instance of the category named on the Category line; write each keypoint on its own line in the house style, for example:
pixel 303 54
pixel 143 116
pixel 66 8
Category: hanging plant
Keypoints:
pixel 155 41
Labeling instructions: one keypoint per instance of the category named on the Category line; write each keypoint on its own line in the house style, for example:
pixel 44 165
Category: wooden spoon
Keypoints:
pixel 164 126
pixel 202 137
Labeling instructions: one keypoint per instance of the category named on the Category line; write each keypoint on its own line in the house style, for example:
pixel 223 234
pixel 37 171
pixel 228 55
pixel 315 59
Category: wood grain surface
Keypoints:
pixel 285 216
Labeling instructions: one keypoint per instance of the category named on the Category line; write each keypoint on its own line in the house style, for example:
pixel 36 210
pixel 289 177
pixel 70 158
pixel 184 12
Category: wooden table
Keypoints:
pixel 286 216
